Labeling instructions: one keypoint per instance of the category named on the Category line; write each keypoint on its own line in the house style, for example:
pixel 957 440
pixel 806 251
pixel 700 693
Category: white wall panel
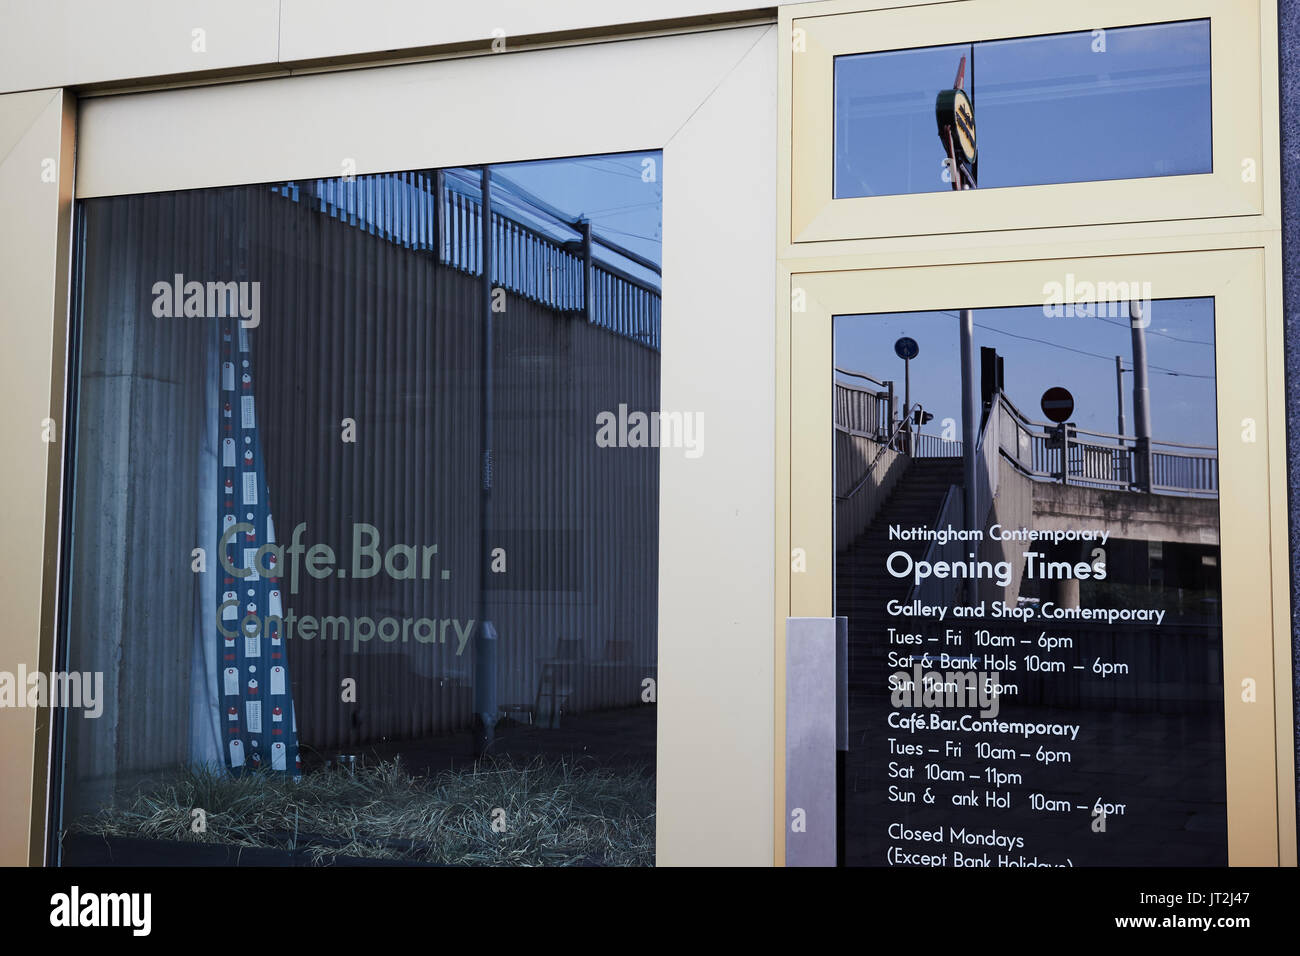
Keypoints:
pixel 708 100
pixel 73 42
pixel 573 101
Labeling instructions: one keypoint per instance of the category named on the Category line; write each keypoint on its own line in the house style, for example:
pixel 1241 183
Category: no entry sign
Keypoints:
pixel 1057 404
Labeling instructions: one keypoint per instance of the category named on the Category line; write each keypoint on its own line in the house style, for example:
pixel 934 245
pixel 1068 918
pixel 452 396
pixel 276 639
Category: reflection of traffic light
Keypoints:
pixel 991 375
pixel 922 417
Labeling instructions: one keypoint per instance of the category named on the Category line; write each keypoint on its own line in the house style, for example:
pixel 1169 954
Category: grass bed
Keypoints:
pixel 556 814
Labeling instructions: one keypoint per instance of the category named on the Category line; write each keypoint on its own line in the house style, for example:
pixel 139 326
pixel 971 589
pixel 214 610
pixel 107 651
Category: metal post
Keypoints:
pixel 439 192
pixel 954 167
pixel 1141 398
pixel 969 399
pixel 1065 452
pixel 969 428
pixel 889 425
pixel 1122 472
pixel 588 304
pixel 907 404
pixel 1119 392
pixel 485 645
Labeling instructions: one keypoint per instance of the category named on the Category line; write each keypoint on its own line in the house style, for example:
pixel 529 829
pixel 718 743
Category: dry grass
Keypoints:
pixel 556 814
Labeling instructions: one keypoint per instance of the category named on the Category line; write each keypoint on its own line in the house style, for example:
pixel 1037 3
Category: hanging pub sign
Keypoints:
pixel 955 114
pixel 954 110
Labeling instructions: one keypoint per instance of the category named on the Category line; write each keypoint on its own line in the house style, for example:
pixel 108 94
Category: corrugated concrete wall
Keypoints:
pixel 352 326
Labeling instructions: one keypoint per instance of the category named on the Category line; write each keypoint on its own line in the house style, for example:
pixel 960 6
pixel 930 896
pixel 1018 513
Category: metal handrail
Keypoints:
pixel 888 445
pixel 1103 460
pixel 862 411
pixel 952 501
pixel 860 388
pixel 863 375
pixel 1025 419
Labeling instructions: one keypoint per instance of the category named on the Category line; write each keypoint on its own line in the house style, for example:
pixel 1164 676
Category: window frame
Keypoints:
pixel 712 805
pixel 817 38
pixel 1255 616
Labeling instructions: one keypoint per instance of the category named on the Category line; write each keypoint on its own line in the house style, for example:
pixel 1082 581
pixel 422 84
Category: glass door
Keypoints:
pixel 1042 505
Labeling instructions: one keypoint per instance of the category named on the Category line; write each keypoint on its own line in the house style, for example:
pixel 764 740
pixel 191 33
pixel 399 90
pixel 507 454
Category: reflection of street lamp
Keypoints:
pixel 955 114
pixel 907 349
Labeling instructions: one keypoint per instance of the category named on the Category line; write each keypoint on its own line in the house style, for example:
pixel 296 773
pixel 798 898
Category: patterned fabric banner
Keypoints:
pixel 256 698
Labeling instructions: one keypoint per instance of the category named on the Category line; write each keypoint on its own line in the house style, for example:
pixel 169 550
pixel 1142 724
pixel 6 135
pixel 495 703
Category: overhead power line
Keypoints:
pixel 1105 358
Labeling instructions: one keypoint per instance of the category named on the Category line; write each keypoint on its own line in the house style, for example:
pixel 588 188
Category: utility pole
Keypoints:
pixel 1121 456
pixel 1141 397
pixel 955 114
pixel 1119 393
pixel 969 424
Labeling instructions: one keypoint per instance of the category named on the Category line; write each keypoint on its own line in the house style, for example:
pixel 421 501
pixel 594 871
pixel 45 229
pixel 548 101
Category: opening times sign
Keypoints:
pixel 1042 686
pixel 1039 734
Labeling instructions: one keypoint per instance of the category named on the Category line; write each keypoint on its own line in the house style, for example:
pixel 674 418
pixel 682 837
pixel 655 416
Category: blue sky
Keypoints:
pixel 611 190
pixel 1052 109
pixel 1040 352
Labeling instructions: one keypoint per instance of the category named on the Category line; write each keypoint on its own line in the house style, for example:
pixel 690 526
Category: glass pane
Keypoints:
pixel 886 141
pixel 360 571
pixel 1124 103
pixel 1035 630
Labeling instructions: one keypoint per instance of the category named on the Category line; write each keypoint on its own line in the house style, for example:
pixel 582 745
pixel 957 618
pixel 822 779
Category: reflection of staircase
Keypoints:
pixel 862 586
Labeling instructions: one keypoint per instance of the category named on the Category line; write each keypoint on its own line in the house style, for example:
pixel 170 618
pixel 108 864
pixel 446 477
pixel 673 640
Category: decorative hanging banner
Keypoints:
pixel 261 729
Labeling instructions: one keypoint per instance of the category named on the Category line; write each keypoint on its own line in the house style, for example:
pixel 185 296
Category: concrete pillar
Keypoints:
pixel 1065 591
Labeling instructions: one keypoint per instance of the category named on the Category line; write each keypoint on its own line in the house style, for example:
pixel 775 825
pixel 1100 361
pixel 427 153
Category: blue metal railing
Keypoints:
pixel 440 213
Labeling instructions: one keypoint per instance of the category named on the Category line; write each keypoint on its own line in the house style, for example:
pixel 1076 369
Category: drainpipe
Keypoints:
pixel 485 644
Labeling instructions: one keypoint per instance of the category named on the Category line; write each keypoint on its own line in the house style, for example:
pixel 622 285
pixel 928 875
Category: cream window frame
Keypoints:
pixel 1253 488
pixel 824 31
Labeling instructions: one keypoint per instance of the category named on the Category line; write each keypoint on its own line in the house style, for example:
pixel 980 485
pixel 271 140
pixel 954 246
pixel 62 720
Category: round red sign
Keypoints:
pixel 1057 404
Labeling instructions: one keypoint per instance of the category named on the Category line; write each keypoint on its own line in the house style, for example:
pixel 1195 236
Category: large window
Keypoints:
pixel 1050 638
pixel 364 543
pixel 915 120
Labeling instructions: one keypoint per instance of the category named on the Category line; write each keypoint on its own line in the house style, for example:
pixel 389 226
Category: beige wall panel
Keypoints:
pixel 706 100
pixel 49 43
pixel 310 28
pixel 546 103
pixel 36 131
pixel 52 43
pixel 715 755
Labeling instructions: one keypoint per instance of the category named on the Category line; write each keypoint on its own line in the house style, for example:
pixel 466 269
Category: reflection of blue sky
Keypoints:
pixel 1047 110
pixel 1040 352
pixel 610 190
